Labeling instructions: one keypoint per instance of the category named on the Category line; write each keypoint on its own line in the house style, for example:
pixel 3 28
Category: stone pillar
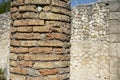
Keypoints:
pixel 114 29
pixel 40 34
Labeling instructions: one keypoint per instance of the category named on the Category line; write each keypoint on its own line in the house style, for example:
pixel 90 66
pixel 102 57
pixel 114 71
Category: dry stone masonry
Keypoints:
pixel 40 35
pixel 4 41
pixel 95 41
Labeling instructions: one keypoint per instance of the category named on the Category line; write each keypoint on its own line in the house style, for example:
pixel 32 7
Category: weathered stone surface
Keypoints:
pixel 115 15
pixel 54 16
pixel 28 22
pixel 19 50
pixel 27 36
pixel 57 10
pixel 17 77
pixel 30 15
pixel 50 43
pixel 17 2
pixel 114 26
pixel 28 43
pixel 55 64
pixel 18 70
pixel 49 72
pixel 40 50
pixel 33 72
pixel 60 3
pixel 14 9
pixel 16 15
pixel 42 2
pixel 14 43
pixel 41 29
pixel 13 63
pixel 40 40
pixel 115 38
pixel 27 8
pixel 56 36
pixel 13 56
pixel 115 6
pixel 24 29
pixel 43 57
pixel 25 63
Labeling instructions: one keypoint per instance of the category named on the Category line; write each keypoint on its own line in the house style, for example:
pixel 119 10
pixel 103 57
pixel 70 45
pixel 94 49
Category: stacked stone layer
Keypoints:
pixel 40 34
pixel 95 42
pixel 114 30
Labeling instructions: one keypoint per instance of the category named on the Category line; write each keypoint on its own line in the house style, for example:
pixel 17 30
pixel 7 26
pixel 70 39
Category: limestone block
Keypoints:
pixel 114 26
pixel 115 38
pixel 115 15
pixel 114 49
pixel 115 6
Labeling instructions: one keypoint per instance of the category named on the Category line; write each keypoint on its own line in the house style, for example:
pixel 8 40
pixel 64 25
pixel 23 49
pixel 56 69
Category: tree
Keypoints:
pixel 5 7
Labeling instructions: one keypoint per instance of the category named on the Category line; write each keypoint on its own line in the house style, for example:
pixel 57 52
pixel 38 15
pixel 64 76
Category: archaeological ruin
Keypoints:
pixel 49 40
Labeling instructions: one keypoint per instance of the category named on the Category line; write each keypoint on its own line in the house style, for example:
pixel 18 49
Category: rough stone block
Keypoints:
pixel 14 43
pixel 18 70
pixel 13 56
pixel 13 9
pixel 28 22
pixel 55 64
pixel 46 72
pixel 115 38
pixel 114 49
pixel 25 63
pixel 27 36
pixel 30 15
pixel 28 43
pixel 40 50
pixel 34 78
pixel 41 29
pixel 24 29
pixel 60 3
pixel 18 50
pixel 42 2
pixel 114 77
pixel 16 16
pixel 17 77
pixel 13 29
pixel 57 36
pixel 57 10
pixel 27 8
pixel 115 6
pixel 114 26
pixel 17 2
pixel 115 15
pixel 50 43
pixel 44 57
pixel 53 16
pixel 13 63
pixel 33 72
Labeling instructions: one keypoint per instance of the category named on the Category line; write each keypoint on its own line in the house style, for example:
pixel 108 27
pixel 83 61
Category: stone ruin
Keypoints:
pixel 41 37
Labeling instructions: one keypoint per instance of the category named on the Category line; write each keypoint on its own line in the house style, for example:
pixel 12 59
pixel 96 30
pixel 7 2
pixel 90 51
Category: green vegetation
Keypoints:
pixel 5 7
pixel 1 71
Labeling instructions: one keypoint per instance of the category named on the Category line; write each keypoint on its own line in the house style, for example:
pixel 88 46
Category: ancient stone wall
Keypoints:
pixel 114 48
pixel 95 41
pixel 4 41
pixel 40 35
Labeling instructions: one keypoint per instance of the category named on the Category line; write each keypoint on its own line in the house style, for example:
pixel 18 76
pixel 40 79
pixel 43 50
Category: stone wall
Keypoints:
pixel 114 48
pixel 4 41
pixel 40 35
pixel 95 41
